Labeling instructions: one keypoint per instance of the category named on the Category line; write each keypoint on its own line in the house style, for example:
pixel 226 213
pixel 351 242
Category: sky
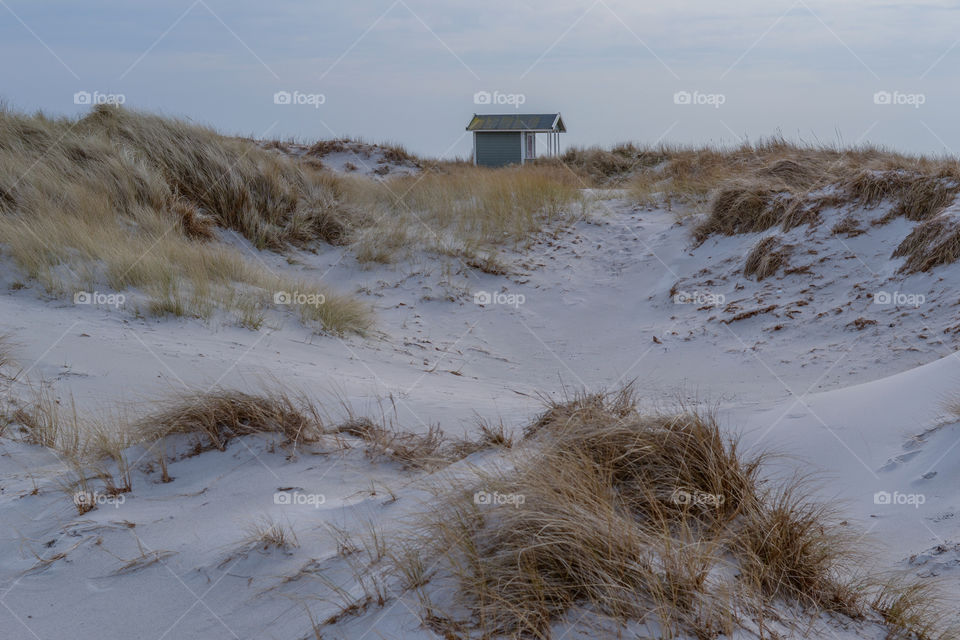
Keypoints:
pixel 414 71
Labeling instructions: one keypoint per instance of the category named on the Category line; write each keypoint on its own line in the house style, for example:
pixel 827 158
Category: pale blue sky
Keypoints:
pixel 407 70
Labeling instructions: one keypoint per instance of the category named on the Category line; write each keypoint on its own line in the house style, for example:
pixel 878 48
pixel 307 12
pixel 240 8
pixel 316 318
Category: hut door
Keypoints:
pixel 531 149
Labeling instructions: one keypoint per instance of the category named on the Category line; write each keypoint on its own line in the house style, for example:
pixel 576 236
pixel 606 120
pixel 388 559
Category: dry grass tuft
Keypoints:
pixel 608 168
pixel 753 207
pixel 462 211
pixel 794 172
pixel 265 533
pixel 91 449
pixel 220 416
pixel 643 517
pixel 932 243
pixel 192 222
pixel 494 435
pixel 411 449
pixel 43 421
pixel 97 450
pixel 6 402
pixel 267 197
pixel 120 200
pixel 868 188
pixel 865 174
pixel 789 548
pixel 848 226
pixel 6 350
pixel 767 257
pixel 917 195
pixel 583 407
pixel 756 187
pixel 422 450
pixel 914 610
pixel 428 450
pixel 397 154
pixel 326 147
pixel 925 196
pixel 330 311
pixel 648 458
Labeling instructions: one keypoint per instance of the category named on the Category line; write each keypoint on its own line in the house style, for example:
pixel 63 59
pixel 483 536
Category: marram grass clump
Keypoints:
pixel 657 518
